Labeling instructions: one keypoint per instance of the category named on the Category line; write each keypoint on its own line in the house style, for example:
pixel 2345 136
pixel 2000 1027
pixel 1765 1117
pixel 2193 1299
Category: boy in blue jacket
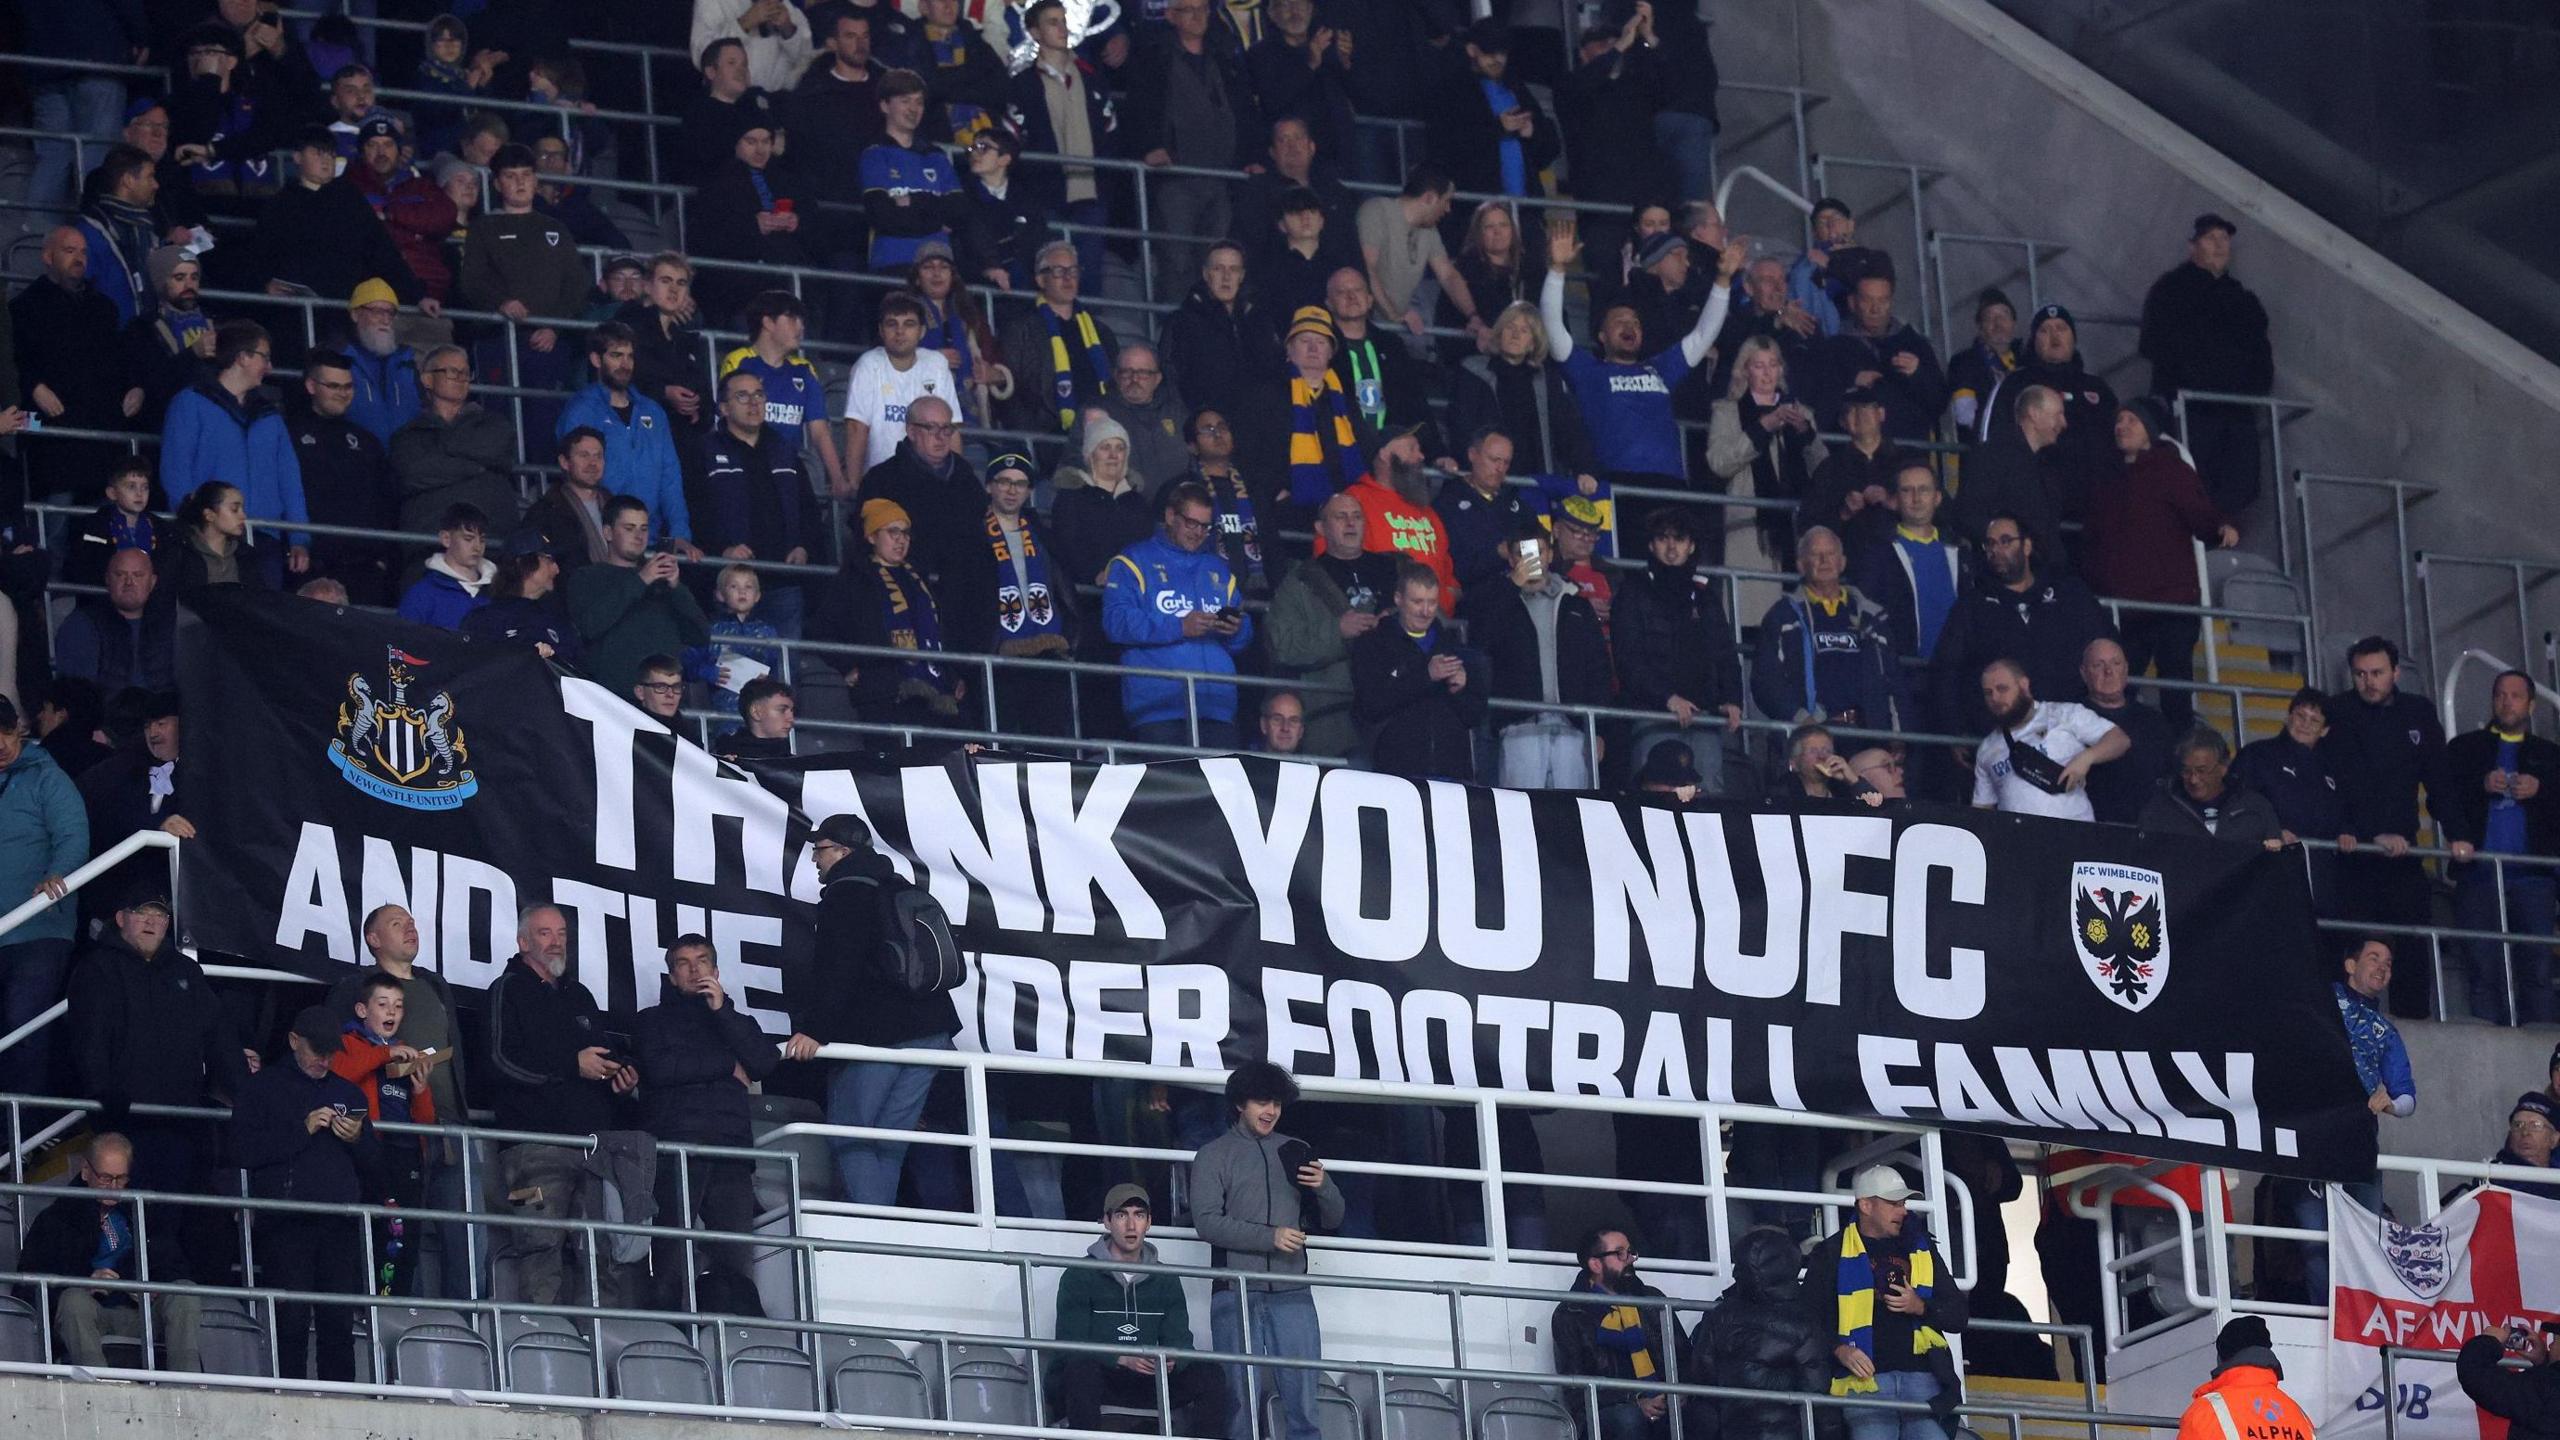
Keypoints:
pixel 229 428
pixel 300 1132
pixel 1170 601
pixel 457 580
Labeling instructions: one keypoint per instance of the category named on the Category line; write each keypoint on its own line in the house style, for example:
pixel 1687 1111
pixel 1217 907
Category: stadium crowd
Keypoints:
pixel 1420 477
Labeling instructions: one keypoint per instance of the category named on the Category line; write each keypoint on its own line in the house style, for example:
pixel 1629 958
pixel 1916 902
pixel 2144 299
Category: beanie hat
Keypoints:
pixel 375 291
pixel 2247 1332
pixel 2534 1102
pixel 1097 431
pixel 878 515
pixel 2148 409
pixel 164 261
pixel 1657 249
pixel 2053 312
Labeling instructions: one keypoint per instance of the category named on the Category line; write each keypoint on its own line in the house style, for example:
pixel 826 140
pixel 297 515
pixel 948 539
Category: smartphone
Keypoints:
pixel 340 1109
pixel 1229 614
pixel 1296 1155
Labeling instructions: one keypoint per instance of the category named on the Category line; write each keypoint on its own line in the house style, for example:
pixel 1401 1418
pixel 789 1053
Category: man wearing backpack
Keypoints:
pixel 846 994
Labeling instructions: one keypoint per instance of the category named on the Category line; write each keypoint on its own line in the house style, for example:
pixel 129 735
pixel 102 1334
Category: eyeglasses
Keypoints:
pixel 933 427
pixel 1627 1251
pixel 662 687
pixel 439 371
pixel 1059 270
pixel 1212 428
pixel 266 355
pixel 111 1182
pixel 1139 374
pixel 2529 1125
pixel 1189 522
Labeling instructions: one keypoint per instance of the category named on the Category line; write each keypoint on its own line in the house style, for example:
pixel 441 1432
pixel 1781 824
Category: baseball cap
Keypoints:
pixel 1882 1182
pixel 147 896
pixel 528 542
pixel 2210 221
pixel 848 831
pixel 1389 437
pixel 319 1028
pixel 375 291
pixel 1126 1193
pixel 627 262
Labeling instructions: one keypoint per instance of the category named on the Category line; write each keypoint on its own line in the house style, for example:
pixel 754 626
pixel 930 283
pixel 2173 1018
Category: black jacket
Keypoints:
pixel 1003 234
pixel 753 495
pixel 1288 85
pixel 2002 476
pixel 2528 1400
pixel 688 1054
pixel 92 544
pixel 1576 1324
pixel 2462 807
pixel 347 480
pixel 1947 1312
pixel 1410 722
pixel 2119 789
pixel 946 511
pixel 1911 402
pixel 330 241
pixel 2085 455
pixel 1757 1338
pixel 1533 406
pixel 537 1028
pixel 2206 332
pixel 2241 817
pixel 839 995
pixel 2044 628
pixel 1407 386
pixel 149 1031
pixel 1466 135
pixel 154 361
pixel 1608 107
pixel 285 1158
pixel 63 1238
pixel 1216 351
pixel 1509 638
pixel 523 623
pixel 1826 498
pixel 1045 184
pixel 662 358
pixel 2295 779
pixel 2381 755
pixel 1146 123
pixel 67 341
pixel 968 597
pixel 1671 636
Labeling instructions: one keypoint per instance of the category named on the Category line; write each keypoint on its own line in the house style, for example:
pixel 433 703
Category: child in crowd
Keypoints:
pixel 371 1057
pixel 740 592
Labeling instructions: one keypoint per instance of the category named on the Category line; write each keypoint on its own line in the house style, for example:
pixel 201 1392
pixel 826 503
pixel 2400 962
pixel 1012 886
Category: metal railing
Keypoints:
pixel 2280 413
pixel 1916 181
pixel 2032 251
pixel 2401 497
pixel 2524 574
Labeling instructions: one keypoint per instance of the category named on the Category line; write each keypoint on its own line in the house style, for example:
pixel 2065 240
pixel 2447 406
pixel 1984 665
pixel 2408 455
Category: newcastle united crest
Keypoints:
pixel 404 749
pixel 2120 927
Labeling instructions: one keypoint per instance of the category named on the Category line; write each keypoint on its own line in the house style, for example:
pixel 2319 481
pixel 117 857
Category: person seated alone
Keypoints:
pixel 90 1234
pixel 1132 1308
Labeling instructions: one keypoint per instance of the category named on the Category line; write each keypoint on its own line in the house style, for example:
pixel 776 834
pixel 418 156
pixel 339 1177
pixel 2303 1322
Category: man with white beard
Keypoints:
pixel 556 1075
pixel 386 371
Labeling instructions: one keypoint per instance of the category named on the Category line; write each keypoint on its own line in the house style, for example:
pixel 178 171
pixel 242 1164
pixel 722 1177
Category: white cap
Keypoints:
pixel 1882 1182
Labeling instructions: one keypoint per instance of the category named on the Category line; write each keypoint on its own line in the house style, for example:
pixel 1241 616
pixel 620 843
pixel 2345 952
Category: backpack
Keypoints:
pixel 917 952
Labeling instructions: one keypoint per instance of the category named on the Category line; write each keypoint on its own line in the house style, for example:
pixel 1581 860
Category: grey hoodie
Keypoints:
pixel 1240 1195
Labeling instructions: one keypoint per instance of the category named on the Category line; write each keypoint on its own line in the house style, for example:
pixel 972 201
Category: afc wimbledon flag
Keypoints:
pixel 2491 1260
pixel 2074 983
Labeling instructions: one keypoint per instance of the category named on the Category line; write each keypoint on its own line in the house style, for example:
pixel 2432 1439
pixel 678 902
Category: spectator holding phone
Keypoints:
pixel 300 1132
pixel 2525 1394
pixel 1884 1295
pixel 1170 601
pixel 1255 1195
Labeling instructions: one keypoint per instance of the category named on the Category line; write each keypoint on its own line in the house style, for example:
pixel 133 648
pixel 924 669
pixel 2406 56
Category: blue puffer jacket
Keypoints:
pixel 211 436
pixel 44 830
pixel 639 455
pixel 386 390
pixel 1146 590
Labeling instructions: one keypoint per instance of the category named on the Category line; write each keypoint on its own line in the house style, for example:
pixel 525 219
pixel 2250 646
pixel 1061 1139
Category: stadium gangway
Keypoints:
pixel 2525 574
pixel 2401 497
pixel 2280 412
pixel 2207 1289
pixel 2032 252
pixel 1916 179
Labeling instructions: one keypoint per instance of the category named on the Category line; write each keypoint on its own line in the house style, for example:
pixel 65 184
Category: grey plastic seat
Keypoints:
pixel 444 1357
pixel 1417 1408
pixel 545 1356
pixel 1509 1410
pixel 770 1377
pixel 1337 1414
pixel 989 1384
pixel 652 1360
pixel 21 1335
pixel 231 1340
pixel 867 1375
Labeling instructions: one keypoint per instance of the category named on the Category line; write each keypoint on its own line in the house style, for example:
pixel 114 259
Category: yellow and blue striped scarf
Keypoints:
pixel 1856 1290
pixel 1062 365
pixel 1320 465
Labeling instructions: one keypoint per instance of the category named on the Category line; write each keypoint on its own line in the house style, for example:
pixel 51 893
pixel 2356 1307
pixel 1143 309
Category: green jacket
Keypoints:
pixel 1304 631
pixel 624 622
pixel 1137 1308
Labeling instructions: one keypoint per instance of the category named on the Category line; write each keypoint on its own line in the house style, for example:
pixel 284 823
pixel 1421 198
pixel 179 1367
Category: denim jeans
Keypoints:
pixel 2307 1206
pixel 93 108
pixel 455 1272
pixel 32 976
pixel 2529 912
pixel 1688 146
pixel 1093 251
pixel 1284 1324
pixel 1867 1424
pixel 1627 1421
pixel 882 1096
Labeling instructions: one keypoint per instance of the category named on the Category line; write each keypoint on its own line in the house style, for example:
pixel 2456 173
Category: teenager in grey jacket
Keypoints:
pixel 1255 1213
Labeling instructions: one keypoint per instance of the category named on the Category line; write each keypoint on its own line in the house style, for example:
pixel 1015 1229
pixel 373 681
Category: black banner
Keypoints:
pixel 2056 981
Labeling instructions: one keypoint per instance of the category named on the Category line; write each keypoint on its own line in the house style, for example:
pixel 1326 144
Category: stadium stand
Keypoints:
pixel 1687 361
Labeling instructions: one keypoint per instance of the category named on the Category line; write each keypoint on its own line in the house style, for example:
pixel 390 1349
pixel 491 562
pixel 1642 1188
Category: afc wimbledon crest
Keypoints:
pixel 406 751
pixel 2120 927
pixel 2420 1257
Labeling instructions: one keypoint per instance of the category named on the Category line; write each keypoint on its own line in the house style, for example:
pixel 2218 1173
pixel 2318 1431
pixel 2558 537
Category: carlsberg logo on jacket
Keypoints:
pixel 1146 591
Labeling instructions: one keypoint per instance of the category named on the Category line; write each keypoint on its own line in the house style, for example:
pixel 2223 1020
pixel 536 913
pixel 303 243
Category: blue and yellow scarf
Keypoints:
pixel 1323 454
pixel 1856 1291
pixel 1062 365
pixel 1026 612
pixel 914 624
